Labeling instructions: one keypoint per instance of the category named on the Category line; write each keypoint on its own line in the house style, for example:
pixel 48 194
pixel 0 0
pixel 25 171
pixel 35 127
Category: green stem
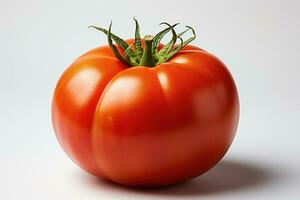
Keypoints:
pixel 147 57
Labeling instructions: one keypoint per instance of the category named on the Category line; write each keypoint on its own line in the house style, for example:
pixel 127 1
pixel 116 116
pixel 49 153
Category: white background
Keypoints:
pixel 257 40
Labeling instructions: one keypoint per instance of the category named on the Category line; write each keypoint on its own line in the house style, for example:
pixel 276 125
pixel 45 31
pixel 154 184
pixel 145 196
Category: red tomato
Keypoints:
pixel 146 126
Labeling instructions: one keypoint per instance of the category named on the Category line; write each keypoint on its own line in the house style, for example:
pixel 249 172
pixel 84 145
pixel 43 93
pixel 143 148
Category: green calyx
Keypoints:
pixel 149 55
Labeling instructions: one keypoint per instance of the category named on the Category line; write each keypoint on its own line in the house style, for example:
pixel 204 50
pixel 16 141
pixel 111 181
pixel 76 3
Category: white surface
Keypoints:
pixel 257 40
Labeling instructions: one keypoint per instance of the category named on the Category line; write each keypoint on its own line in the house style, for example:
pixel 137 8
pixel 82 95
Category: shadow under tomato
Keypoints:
pixel 227 176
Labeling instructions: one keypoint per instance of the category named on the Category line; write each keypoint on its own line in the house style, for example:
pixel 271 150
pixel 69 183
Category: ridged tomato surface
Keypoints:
pixel 146 126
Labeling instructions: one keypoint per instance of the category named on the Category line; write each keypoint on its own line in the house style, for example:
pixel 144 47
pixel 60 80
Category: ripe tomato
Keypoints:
pixel 155 124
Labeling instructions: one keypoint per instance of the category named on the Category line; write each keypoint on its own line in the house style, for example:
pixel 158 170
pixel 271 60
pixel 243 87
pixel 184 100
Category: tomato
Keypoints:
pixel 141 125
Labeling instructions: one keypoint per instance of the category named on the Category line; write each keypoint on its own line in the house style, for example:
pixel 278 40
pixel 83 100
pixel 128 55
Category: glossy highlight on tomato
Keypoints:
pixel 144 125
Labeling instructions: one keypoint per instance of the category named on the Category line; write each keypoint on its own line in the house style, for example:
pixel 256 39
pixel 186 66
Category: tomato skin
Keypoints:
pixel 144 126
